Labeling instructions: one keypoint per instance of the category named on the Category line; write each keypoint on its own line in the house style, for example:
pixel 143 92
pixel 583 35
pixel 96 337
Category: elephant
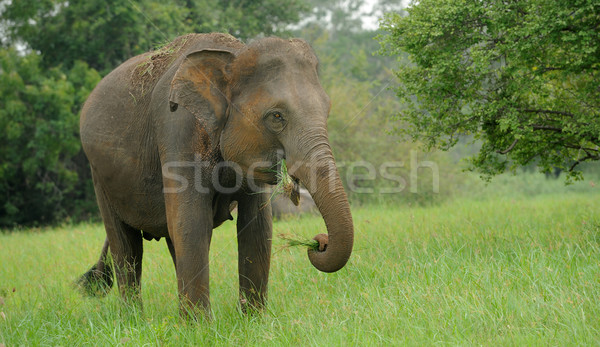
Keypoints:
pixel 176 136
pixel 282 207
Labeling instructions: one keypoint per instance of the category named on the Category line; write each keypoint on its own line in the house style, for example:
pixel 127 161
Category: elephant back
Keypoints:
pixel 153 65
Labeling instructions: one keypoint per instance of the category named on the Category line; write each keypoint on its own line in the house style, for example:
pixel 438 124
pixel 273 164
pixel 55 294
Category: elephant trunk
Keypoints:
pixel 318 172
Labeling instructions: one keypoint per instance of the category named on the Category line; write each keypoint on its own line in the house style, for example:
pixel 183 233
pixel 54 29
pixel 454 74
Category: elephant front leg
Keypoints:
pixel 254 226
pixel 126 247
pixel 192 270
pixel 190 231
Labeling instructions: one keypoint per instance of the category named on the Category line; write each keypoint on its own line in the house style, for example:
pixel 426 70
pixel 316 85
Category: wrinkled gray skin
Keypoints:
pixel 156 127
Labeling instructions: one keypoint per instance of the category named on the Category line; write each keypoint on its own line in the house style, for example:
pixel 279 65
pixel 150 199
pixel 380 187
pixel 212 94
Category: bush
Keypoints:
pixel 43 174
pixel 374 164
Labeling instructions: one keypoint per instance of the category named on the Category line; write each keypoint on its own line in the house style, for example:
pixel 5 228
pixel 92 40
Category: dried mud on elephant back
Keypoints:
pixel 145 75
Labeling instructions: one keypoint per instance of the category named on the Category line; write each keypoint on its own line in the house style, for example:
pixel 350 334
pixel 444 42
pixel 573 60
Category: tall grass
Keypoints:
pixel 511 270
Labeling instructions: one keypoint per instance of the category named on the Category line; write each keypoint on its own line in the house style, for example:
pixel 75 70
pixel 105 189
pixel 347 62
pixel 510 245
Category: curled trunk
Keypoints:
pixel 321 178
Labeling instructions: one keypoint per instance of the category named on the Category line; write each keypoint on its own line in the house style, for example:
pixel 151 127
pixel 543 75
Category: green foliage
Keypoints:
pixel 337 16
pixel 101 33
pixel 244 19
pixel 521 76
pixel 44 175
pixel 374 165
pixel 40 150
pixel 106 33
pixel 506 271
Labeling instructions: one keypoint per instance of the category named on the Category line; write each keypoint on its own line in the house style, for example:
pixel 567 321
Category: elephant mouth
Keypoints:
pixel 277 175
pixel 287 184
pixel 270 174
pixel 284 183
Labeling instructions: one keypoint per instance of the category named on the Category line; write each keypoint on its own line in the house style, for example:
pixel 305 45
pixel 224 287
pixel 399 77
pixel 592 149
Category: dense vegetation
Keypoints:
pixel 43 173
pixel 521 76
pixel 53 52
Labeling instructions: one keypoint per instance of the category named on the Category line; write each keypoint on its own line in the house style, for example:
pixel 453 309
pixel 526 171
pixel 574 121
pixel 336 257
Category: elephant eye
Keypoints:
pixel 275 121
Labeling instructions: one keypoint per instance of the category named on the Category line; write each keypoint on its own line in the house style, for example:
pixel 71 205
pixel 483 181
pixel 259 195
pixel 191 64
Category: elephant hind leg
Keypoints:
pixel 172 251
pixel 98 280
pixel 126 248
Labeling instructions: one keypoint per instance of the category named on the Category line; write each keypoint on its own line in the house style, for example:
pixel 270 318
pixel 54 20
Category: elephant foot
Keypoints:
pixel 252 306
pixel 195 313
pixel 96 282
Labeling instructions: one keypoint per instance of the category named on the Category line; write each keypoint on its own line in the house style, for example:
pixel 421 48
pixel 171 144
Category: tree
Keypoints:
pixel 521 76
pixel 105 33
pixel 338 16
pixel 44 175
pixel 41 175
pixel 374 166
pixel 101 33
pixel 244 19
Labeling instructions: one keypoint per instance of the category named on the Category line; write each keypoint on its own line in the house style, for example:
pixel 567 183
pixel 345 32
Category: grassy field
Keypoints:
pixel 508 271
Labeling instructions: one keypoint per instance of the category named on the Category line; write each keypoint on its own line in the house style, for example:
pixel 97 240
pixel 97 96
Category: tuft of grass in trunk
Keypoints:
pixel 292 241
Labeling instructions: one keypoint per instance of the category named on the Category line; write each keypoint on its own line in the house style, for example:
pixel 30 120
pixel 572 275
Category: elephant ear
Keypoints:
pixel 200 86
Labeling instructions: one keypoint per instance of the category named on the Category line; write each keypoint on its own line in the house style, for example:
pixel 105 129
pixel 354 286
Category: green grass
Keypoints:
pixel 511 271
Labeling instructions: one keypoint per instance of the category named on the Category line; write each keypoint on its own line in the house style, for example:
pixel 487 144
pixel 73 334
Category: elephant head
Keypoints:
pixel 264 102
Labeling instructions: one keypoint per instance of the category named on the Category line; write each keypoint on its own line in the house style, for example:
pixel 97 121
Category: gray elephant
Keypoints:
pixel 174 137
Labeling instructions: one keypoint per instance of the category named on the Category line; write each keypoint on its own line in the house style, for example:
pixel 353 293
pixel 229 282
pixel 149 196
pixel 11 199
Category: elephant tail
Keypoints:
pixel 98 280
